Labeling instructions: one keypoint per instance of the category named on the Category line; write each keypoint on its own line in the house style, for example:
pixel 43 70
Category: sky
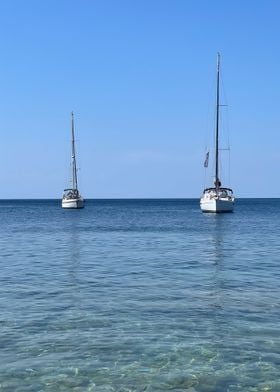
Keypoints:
pixel 140 78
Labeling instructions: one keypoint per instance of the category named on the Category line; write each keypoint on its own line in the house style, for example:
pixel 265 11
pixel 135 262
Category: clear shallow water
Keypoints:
pixel 139 295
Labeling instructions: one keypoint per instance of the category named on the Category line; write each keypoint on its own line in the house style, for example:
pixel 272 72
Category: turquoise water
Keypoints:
pixel 139 295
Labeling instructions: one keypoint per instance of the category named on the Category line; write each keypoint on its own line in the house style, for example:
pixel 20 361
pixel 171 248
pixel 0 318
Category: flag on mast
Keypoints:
pixel 206 159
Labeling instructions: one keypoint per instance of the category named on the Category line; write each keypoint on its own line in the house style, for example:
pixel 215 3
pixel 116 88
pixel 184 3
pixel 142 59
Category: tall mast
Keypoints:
pixel 217 181
pixel 74 166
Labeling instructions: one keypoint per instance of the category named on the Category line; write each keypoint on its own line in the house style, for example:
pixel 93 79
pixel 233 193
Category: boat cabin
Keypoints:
pixel 71 194
pixel 226 193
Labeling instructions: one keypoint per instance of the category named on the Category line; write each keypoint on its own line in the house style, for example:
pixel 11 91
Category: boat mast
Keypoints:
pixel 74 166
pixel 217 181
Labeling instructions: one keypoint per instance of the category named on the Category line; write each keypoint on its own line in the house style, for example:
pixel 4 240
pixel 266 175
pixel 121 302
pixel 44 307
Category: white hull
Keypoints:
pixel 216 205
pixel 72 203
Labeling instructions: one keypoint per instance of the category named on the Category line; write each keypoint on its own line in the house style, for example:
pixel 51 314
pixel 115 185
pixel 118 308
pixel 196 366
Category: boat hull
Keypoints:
pixel 216 205
pixel 72 203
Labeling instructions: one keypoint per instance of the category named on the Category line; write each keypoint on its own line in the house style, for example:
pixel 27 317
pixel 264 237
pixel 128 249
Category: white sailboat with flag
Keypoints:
pixel 217 198
pixel 71 196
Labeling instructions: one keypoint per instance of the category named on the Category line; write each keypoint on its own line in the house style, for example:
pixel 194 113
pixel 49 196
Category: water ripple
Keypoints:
pixel 139 295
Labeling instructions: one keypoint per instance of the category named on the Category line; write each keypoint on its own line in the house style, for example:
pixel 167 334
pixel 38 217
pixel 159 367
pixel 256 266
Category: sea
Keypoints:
pixel 139 295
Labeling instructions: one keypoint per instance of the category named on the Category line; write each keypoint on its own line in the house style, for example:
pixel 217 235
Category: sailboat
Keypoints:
pixel 217 198
pixel 71 197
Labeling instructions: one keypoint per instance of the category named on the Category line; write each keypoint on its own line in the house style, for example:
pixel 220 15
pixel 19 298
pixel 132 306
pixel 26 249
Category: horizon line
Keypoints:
pixel 133 198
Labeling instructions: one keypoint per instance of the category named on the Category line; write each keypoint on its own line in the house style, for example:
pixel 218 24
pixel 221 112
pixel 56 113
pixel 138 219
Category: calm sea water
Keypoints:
pixel 139 295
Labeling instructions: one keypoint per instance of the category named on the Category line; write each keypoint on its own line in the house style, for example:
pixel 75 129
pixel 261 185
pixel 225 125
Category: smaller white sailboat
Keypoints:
pixel 217 198
pixel 72 197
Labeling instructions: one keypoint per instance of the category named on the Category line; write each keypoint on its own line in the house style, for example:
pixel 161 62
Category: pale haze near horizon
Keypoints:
pixel 140 77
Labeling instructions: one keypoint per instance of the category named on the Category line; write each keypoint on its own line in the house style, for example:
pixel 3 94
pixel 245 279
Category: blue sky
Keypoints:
pixel 140 78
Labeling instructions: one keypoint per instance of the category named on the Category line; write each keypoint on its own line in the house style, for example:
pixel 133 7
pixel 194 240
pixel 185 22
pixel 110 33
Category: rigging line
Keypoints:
pixel 229 173
pixel 225 98
pixel 223 90
pixel 210 114
pixel 226 170
pixel 217 180
pixel 227 141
